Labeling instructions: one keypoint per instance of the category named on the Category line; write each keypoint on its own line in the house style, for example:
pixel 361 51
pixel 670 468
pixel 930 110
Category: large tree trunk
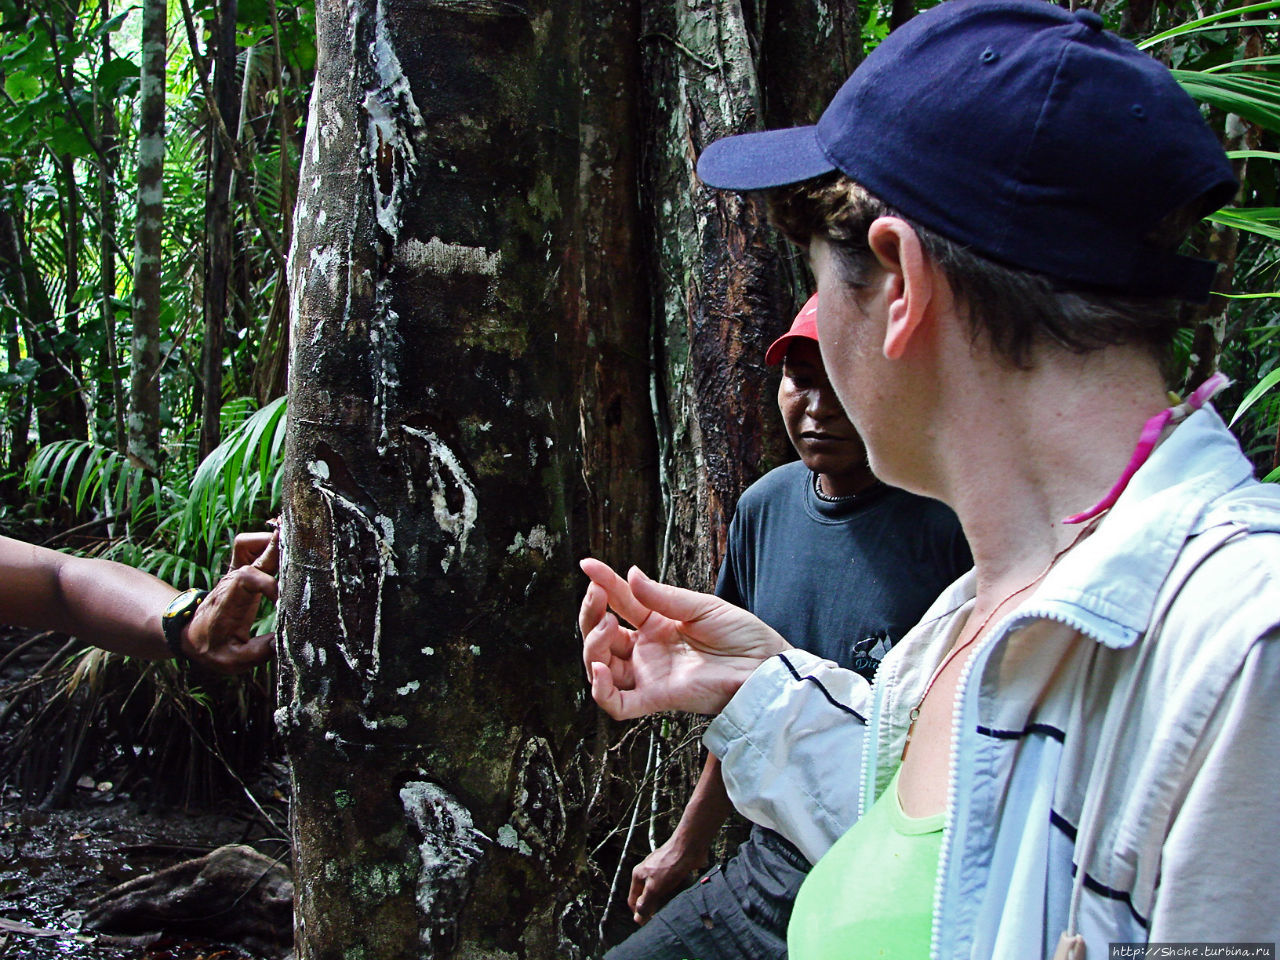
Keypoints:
pixel 143 422
pixel 500 363
pixel 456 252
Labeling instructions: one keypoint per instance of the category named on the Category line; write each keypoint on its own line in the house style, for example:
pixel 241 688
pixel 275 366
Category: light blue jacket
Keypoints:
pixel 1116 747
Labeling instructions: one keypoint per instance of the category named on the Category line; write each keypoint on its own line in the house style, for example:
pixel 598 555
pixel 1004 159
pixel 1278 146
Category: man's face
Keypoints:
pixel 815 421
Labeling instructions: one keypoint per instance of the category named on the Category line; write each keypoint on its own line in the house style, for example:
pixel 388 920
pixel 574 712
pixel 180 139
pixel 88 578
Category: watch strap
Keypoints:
pixel 176 616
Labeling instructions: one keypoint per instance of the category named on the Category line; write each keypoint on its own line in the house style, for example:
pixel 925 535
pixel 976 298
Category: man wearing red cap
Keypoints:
pixel 840 564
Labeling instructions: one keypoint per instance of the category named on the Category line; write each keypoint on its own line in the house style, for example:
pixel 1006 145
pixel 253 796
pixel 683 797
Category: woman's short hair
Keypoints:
pixel 1015 310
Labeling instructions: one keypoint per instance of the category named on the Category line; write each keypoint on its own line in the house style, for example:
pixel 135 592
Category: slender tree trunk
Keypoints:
pixel 270 370
pixel 59 413
pixel 218 246
pixel 70 208
pixel 723 284
pixel 107 204
pixel 18 405
pixel 144 389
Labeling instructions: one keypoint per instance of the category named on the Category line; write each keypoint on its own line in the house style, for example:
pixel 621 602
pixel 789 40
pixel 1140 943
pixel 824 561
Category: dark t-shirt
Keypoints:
pixel 845 579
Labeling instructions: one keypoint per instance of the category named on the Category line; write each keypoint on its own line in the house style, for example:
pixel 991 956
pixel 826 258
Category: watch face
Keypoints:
pixel 182 603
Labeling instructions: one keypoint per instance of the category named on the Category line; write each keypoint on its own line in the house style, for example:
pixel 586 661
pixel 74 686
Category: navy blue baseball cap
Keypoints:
pixel 1021 130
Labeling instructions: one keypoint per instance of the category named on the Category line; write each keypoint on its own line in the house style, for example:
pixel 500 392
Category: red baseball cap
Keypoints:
pixel 805 325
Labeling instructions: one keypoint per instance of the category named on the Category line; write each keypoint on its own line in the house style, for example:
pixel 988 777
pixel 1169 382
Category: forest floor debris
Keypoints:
pixel 52 864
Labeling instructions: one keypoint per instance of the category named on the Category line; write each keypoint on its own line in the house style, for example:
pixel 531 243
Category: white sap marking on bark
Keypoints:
pixel 386 568
pixel 384 338
pixel 332 124
pixel 538 539
pixel 826 23
pixel 322 259
pixel 442 259
pixel 319 469
pixel 448 855
pixel 458 525
pixel 297 269
pixel 507 837
pixel 150 149
pixel 150 196
pixel 388 107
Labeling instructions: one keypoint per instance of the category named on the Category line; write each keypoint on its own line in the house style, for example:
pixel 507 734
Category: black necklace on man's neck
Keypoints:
pixel 817 490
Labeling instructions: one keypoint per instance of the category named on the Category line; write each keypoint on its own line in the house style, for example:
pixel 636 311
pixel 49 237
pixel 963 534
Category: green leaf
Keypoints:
pixel 1252 155
pixel 114 24
pixel 115 71
pixel 1264 221
pixel 22 86
pixel 1200 25
pixel 1254 99
pixel 1256 394
pixel 68 139
pixel 1246 62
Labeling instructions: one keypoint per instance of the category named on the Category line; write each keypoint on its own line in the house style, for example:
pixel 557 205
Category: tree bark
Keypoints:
pixel 217 225
pixel 143 422
pixel 467 303
pixel 521 331
pixel 110 361
pixel 18 403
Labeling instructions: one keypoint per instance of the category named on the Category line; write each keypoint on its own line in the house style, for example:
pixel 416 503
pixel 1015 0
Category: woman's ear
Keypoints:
pixel 910 277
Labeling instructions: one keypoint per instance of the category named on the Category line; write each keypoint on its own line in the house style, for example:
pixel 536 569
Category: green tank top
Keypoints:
pixel 871 894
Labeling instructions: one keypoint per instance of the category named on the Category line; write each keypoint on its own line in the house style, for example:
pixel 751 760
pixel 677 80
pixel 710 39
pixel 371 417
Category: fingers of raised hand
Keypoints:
pixel 616 698
pixel 609 644
pixel 675 603
pixel 240 656
pixel 594 604
pixel 261 550
pixel 621 599
pixel 254 581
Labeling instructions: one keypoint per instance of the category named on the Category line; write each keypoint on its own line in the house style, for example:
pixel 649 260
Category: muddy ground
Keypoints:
pixel 53 863
pixel 61 847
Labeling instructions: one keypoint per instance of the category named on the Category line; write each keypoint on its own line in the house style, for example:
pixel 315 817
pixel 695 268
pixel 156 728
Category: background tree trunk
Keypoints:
pixel 218 226
pixel 521 331
pixel 107 206
pixel 143 422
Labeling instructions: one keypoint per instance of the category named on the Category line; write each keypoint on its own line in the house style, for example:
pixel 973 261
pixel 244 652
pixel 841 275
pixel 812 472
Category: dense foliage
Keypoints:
pixel 69 197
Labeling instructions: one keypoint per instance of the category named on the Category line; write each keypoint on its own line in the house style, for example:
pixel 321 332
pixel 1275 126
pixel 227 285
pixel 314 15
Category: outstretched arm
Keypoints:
pixel 119 607
pixel 685 651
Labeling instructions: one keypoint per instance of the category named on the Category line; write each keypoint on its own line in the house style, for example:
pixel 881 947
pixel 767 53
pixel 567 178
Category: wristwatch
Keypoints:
pixel 176 616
